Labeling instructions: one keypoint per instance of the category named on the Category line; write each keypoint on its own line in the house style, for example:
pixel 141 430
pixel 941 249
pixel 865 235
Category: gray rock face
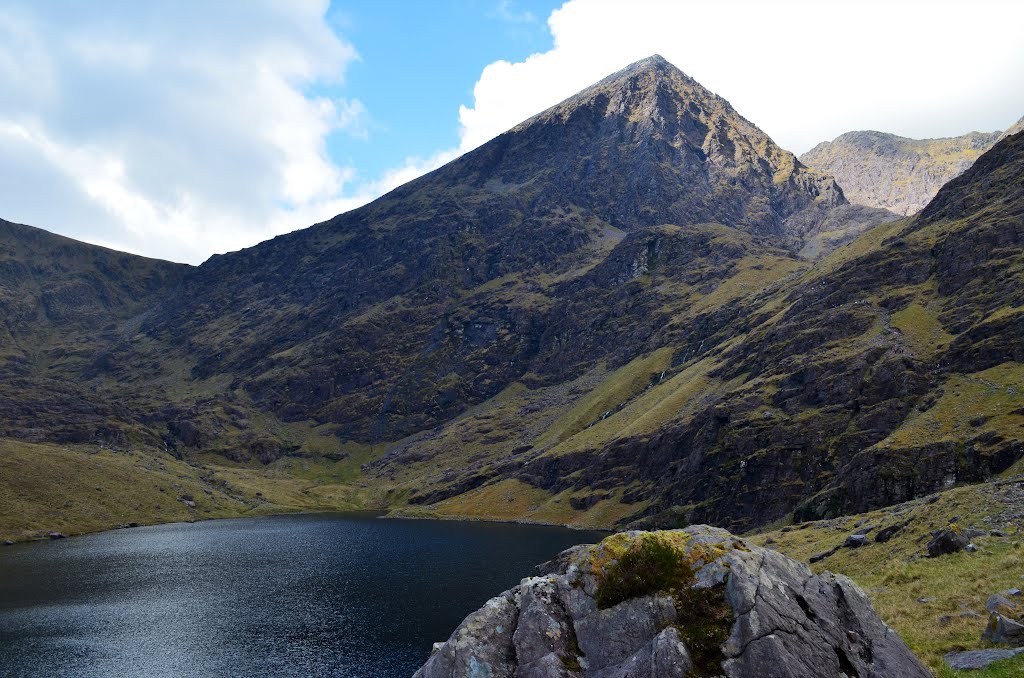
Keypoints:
pixel 665 656
pixel 817 557
pixel 543 632
pixel 978 659
pixel 856 540
pixel 482 645
pixel 1000 603
pixel 614 637
pixel 785 620
pixel 895 173
pixel 792 623
pixel 887 533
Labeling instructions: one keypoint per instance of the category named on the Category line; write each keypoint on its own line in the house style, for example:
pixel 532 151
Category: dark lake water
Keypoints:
pixel 299 595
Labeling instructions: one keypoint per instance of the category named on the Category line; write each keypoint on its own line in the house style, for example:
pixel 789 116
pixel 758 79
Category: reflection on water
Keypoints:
pixel 299 595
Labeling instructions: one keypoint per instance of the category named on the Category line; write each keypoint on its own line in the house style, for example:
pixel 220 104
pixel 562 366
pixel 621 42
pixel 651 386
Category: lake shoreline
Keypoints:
pixel 393 514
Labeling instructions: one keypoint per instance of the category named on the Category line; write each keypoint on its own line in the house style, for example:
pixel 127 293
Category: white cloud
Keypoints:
pixel 352 117
pixel 171 131
pixel 804 71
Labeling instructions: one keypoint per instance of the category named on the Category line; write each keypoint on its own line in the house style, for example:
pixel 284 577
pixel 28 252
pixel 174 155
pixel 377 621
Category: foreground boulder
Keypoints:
pixel 677 603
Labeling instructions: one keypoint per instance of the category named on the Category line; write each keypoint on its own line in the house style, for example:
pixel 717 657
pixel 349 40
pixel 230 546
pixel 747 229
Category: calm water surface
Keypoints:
pixel 299 595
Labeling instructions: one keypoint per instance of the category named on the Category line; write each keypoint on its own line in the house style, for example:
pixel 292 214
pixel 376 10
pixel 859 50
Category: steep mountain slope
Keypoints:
pixel 888 369
pixel 883 170
pixel 53 286
pixel 1014 129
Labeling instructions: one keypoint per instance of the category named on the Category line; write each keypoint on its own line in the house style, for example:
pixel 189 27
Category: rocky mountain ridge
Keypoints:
pixel 528 212
pixel 886 171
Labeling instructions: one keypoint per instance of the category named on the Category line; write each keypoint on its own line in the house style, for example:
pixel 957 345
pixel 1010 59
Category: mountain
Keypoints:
pixel 886 171
pixel 394 318
pixel 633 308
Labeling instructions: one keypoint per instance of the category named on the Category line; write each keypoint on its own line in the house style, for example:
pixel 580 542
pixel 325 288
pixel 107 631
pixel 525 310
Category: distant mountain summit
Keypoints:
pixel 882 170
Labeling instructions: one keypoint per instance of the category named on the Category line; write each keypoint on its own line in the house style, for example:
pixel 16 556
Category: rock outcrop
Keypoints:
pixel 689 602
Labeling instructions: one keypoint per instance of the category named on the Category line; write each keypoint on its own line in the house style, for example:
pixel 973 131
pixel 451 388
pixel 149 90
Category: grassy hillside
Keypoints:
pixel 73 489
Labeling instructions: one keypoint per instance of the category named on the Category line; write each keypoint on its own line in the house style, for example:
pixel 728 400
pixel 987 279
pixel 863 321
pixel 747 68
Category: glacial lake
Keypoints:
pixel 295 595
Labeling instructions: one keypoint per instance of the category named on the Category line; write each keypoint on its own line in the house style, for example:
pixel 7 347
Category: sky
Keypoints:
pixel 179 129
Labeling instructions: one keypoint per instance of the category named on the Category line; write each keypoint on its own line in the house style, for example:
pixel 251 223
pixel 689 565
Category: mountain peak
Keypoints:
pixel 654 59
pixel 640 89
pixel 655 146
pixel 655 62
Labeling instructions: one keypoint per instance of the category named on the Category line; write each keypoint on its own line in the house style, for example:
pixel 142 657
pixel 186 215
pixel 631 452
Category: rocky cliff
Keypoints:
pixel 693 602
pixel 901 175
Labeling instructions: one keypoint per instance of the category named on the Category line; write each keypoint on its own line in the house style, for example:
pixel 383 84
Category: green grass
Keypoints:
pixel 654 564
pixel 77 489
pixel 614 391
pixel 650 566
pixel 967 405
pixel 922 329
pixel 82 488
pixel 673 398
pixel 514 500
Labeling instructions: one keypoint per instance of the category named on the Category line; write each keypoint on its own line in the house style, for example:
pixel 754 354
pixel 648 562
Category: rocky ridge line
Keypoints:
pixel 882 170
